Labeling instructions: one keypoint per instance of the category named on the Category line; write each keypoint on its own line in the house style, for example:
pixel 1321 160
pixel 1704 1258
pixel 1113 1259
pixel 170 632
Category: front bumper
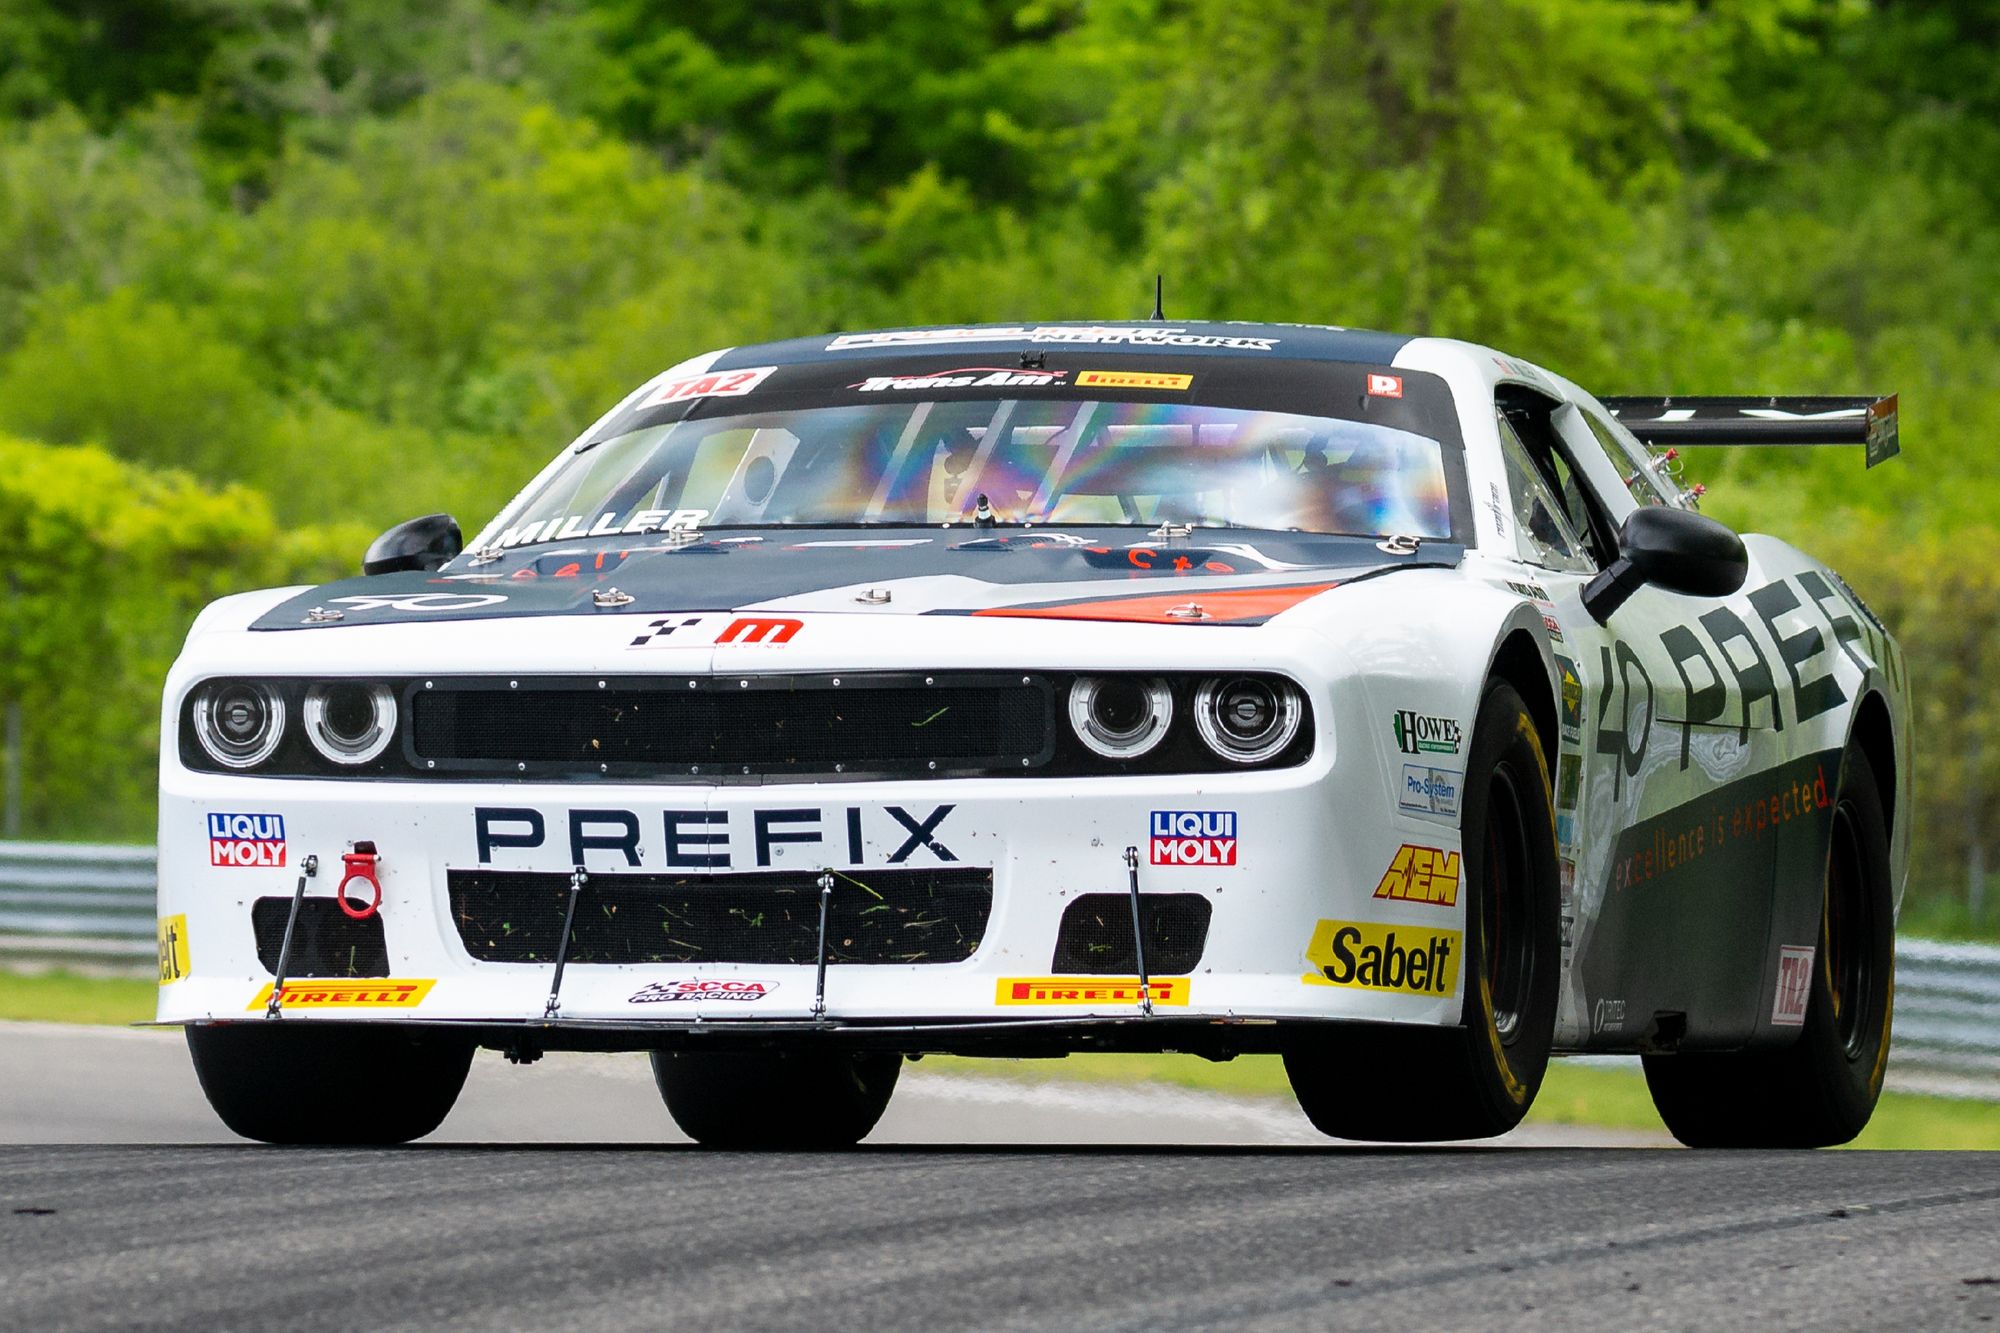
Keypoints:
pixel 1311 845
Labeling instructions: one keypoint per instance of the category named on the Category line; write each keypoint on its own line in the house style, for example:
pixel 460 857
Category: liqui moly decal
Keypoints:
pixel 1194 838
pixel 246 840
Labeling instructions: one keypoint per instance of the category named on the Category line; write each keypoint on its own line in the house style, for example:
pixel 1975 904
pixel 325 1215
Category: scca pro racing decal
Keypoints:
pixel 246 840
pixel 1372 956
pixel 709 989
pixel 1193 838
pixel 1090 990
pixel 967 377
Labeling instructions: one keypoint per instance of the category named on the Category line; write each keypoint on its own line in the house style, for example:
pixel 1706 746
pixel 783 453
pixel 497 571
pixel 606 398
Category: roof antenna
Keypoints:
pixel 1159 286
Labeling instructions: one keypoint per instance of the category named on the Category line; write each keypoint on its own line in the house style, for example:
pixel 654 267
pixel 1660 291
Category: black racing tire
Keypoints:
pixel 321 1083
pixel 1820 1090
pixel 797 1101
pixel 1408 1084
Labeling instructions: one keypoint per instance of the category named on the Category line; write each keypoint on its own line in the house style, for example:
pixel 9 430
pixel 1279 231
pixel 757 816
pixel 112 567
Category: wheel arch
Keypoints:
pixel 1875 732
pixel 1521 662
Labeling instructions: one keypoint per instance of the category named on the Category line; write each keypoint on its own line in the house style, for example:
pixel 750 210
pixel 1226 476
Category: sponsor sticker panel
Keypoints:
pixel 1089 990
pixel 173 941
pixel 348 993
pixel 246 841
pixel 1367 955
pixel 1192 838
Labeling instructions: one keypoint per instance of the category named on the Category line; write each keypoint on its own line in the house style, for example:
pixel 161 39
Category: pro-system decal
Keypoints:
pixel 1429 791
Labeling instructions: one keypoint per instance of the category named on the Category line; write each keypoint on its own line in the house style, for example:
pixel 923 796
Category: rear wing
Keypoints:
pixel 1683 422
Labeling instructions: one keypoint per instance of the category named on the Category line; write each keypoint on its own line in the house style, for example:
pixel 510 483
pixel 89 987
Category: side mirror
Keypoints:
pixel 421 543
pixel 1675 549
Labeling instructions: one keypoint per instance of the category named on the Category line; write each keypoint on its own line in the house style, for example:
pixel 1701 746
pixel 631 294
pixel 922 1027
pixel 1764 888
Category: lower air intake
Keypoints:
pixel 769 917
pixel 326 943
pixel 1096 934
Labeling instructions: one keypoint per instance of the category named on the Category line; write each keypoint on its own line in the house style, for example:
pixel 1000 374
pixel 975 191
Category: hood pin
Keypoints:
pixel 611 597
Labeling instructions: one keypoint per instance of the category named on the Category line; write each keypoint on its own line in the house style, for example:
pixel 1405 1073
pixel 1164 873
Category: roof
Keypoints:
pixel 1311 342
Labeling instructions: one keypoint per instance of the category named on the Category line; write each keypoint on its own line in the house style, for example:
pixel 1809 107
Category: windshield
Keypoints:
pixel 1039 461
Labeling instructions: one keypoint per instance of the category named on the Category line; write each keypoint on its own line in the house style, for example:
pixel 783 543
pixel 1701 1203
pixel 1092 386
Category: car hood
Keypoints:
pixel 1230 577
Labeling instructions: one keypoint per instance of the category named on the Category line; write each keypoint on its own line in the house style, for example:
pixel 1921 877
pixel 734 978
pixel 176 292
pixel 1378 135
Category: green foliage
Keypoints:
pixel 419 246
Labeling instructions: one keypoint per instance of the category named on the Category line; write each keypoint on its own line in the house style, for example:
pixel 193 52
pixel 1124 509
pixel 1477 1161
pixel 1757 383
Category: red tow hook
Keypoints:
pixel 360 865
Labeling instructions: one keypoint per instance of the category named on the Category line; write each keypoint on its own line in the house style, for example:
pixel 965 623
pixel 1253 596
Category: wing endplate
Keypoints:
pixel 1684 422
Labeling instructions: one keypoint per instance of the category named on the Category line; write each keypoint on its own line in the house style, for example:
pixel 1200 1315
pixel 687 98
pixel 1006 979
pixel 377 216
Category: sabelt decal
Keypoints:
pixel 1145 335
pixel 1132 379
pixel 1371 956
pixel 348 993
pixel 715 384
pixel 1418 734
pixel 256 841
pixel 711 988
pixel 1385 386
pixel 1193 838
pixel 173 933
pixel 1089 990
pixel 1795 973
pixel 1421 875
pixel 966 377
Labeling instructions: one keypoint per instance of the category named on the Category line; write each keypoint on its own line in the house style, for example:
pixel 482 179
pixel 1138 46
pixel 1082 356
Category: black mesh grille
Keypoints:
pixel 326 943
pixel 1096 934
pixel 804 725
pixel 877 916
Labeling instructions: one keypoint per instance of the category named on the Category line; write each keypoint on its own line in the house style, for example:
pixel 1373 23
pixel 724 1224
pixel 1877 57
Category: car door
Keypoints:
pixel 1672 906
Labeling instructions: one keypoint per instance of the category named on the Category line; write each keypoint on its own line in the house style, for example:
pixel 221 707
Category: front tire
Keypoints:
pixel 1421 1085
pixel 776 1100
pixel 298 1083
pixel 1820 1090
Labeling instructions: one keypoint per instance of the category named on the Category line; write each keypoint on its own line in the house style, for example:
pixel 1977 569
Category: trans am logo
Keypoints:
pixel 970 377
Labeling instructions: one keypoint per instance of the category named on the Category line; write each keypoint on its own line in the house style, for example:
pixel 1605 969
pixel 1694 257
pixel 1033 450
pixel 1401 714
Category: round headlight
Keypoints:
pixel 349 722
pixel 239 723
pixel 1246 720
pixel 1120 717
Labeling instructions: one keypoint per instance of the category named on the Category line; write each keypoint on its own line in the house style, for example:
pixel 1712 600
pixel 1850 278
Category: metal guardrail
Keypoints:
pixel 66 902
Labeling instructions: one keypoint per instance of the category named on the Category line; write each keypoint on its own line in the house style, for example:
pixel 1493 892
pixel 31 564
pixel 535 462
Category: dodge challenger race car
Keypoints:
pixel 1379 702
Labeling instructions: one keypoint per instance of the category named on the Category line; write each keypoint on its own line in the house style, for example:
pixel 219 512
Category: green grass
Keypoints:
pixel 1943 917
pixel 1571 1095
pixel 64 997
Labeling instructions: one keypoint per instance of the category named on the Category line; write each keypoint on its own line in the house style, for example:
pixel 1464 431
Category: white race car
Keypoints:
pixel 1217 688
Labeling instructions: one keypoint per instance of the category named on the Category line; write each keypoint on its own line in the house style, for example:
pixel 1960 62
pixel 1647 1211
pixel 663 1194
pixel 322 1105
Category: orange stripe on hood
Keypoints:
pixel 1224 606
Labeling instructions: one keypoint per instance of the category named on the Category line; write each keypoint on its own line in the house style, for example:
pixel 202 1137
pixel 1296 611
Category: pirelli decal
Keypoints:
pixel 1132 379
pixel 348 993
pixel 1089 990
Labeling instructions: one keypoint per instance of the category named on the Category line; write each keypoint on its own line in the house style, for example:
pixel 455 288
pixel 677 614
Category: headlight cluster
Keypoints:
pixel 1240 719
pixel 243 725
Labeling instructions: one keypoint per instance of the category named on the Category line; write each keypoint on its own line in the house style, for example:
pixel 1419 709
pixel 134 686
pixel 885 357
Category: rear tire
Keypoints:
pixel 776 1100
pixel 297 1083
pixel 1822 1089
pixel 1422 1084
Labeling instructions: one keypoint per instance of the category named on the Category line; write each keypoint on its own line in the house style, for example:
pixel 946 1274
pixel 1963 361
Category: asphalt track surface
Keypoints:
pixel 927 1226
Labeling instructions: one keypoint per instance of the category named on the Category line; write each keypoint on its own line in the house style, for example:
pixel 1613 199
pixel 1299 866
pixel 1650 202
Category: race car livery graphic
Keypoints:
pixel 1382 703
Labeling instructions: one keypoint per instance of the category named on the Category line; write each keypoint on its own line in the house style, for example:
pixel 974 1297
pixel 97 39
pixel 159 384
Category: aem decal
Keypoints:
pixel 1089 990
pixel 246 840
pixel 1372 956
pixel 713 988
pixel 346 993
pixel 1421 875
pixel 173 940
pixel 715 384
pixel 1795 972
pixel 1417 734
pixel 1429 791
pixel 1193 838
pixel 699 839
